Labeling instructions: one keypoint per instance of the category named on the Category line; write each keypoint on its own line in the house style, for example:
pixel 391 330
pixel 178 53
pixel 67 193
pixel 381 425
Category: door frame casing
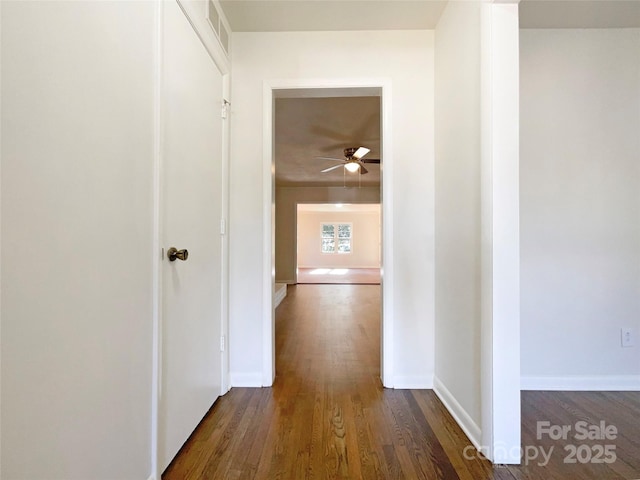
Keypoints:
pixel 271 89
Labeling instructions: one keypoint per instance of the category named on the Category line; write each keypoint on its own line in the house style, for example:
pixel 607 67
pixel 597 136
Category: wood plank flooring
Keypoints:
pixel 328 417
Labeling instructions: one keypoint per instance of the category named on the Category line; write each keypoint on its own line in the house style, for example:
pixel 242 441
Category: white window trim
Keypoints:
pixel 336 238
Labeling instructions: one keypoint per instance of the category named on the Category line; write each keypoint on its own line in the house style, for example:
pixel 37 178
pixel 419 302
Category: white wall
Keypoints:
pixel 406 58
pixel 365 241
pixel 77 151
pixel 457 193
pixel 287 200
pixel 580 207
pixel 476 254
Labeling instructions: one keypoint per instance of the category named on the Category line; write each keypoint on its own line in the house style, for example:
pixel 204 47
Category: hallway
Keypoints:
pixel 327 415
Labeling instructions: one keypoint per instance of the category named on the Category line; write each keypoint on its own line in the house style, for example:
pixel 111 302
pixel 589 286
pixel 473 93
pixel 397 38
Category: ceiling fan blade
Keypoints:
pixel 370 160
pixel 361 152
pixel 362 169
pixel 331 158
pixel 331 168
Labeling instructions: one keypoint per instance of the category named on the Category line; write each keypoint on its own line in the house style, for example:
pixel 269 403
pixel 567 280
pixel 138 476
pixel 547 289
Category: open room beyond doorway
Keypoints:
pixel 303 123
pixel 338 243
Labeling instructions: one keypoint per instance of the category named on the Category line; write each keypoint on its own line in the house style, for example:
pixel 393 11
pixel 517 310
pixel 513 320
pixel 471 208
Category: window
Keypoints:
pixel 336 237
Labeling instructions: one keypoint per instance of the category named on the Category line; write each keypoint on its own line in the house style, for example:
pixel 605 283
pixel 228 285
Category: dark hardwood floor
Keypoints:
pixel 328 417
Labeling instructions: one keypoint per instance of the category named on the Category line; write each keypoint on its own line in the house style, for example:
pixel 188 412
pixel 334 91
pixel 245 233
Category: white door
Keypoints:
pixel 191 192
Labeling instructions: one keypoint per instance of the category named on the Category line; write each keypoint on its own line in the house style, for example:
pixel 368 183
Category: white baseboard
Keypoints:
pixel 253 380
pixel 587 383
pixel 469 427
pixel 414 382
pixel 288 282
pixel 279 295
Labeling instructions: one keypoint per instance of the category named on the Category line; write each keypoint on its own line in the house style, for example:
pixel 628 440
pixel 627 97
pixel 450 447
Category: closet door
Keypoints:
pixel 191 207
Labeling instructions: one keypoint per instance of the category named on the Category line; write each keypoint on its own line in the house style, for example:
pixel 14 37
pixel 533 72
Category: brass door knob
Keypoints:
pixel 174 253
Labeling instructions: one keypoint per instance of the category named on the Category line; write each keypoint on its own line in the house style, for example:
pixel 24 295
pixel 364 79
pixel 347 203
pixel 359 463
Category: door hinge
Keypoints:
pixel 222 343
pixel 225 108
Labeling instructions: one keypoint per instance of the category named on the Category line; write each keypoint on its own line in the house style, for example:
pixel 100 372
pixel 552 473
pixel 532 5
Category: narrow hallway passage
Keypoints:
pixel 327 415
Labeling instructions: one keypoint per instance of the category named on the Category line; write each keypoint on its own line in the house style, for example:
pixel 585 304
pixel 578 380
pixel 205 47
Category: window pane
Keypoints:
pixel 344 246
pixel 328 230
pixel 328 245
pixel 344 230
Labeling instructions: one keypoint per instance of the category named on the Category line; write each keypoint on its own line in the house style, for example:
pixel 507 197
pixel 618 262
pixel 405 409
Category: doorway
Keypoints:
pixel 326 89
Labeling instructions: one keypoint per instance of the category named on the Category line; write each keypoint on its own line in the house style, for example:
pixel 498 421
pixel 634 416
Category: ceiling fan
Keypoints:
pixel 354 161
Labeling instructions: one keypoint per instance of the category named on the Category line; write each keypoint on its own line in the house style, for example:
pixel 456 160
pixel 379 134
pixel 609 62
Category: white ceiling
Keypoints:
pixel 579 14
pixel 337 15
pixel 339 207
pixel 331 15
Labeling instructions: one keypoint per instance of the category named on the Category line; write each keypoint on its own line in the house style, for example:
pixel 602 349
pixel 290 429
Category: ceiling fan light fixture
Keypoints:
pixel 361 152
pixel 353 167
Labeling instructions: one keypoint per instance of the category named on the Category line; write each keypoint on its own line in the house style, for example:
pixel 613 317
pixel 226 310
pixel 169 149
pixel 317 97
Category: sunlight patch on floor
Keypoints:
pixel 339 271
pixel 329 271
